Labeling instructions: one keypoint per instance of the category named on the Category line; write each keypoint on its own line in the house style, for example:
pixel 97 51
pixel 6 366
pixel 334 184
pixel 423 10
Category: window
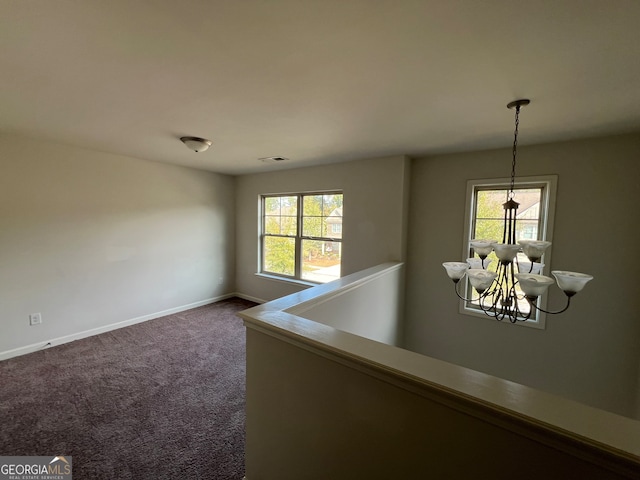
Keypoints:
pixel 301 236
pixel 485 219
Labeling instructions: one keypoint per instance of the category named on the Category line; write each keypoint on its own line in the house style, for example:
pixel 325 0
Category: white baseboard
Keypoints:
pixel 113 326
pixel 249 297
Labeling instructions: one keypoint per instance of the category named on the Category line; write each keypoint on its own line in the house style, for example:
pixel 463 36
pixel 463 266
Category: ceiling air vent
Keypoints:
pixel 273 159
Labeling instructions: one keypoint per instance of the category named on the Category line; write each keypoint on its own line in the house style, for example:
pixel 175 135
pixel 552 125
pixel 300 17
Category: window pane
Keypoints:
pixel 279 255
pixel 272 224
pixel 322 215
pixel 272 205
pixel 288 225
pixel 284 225
pixel 321 260
pixel 489 229
pixel 312 205
pixel 289 205
pixel 333 221
pixel 280 215
pixel 330 203
pixel 527 229
pixel 490 204
pixel 312 227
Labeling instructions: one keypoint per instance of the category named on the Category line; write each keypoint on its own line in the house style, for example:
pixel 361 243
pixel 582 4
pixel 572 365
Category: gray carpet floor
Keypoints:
pixel 161 399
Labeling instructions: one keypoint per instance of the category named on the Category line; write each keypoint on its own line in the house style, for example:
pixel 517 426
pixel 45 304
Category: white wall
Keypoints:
pixel 89 239
pixel 320 411
pixel 590 353
pixel 374 222
pixel 326 403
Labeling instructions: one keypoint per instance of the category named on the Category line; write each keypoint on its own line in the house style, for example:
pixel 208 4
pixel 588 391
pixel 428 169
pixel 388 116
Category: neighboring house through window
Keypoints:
pixel 301 236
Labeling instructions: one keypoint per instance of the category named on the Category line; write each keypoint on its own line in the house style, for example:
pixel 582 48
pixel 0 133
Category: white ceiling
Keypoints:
pixel 315 81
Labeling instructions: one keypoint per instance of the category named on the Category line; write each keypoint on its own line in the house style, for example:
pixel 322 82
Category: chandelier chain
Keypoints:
pixel 515 150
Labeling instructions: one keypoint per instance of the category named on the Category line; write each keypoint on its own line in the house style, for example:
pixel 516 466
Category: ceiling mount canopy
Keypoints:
pixel 519 103
pixel 196 144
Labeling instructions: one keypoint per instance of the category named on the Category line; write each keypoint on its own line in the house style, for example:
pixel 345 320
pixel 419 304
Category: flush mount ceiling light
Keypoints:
pixel 196 144
pixel 500 290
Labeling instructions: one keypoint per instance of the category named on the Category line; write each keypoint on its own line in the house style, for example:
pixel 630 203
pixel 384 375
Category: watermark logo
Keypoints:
pixel 36 468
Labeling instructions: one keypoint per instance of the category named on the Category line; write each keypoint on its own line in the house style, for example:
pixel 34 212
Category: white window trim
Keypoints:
pixel 297 277
pixel 283 279
pixel 547 212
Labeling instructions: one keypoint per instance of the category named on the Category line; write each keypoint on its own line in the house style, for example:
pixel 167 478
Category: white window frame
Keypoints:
pixel 549 184
pixel 297 277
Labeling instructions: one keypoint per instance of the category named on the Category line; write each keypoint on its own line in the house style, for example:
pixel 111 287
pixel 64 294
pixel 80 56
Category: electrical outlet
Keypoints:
pixel 35 319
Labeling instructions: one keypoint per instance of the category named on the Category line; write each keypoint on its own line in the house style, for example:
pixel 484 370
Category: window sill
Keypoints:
pixel 295 281
pixel 539 324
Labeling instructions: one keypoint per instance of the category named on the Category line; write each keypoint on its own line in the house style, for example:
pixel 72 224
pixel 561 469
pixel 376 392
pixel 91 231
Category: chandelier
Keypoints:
pixel 508 291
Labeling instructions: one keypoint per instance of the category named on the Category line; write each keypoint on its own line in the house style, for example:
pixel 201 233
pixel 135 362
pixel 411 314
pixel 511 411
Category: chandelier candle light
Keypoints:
pixel 499 291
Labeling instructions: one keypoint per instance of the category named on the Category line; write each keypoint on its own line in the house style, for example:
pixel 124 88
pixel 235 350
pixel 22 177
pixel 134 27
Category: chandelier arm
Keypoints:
pixel 496 294
pixel 513 295
pixel 531 262
pixel 499 297
pixel 490 292
pixel 507 302
pixel 463 298
pixel 514 310
pixel 482 296
pixel 492 311
pixel 533 304
pixel 520 316
pixel 505 297
pixel 483 307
